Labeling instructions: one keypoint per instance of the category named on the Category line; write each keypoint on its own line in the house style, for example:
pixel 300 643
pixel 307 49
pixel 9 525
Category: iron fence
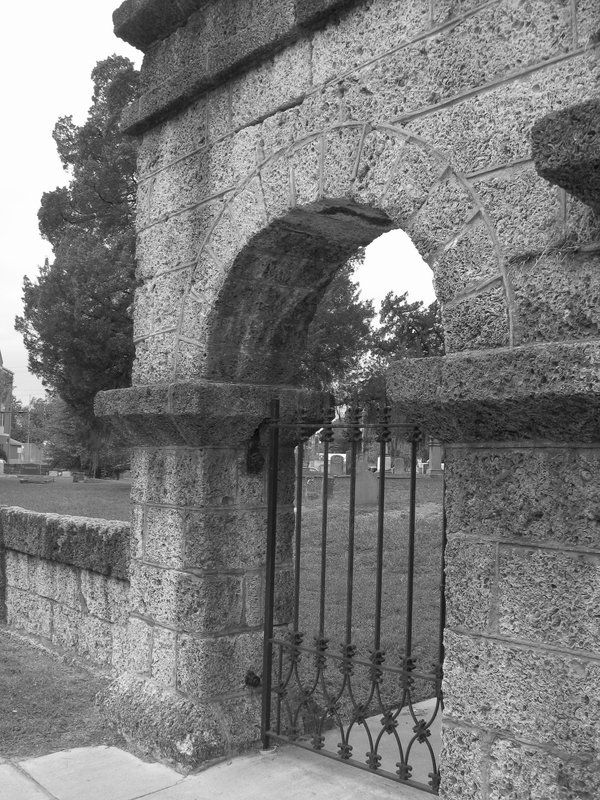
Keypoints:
pixel 355 670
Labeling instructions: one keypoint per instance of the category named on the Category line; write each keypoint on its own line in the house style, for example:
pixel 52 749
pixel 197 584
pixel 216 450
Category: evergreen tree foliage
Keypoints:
pixel 77 320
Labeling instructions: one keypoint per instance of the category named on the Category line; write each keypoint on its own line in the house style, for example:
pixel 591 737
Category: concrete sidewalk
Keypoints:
pixel 107 773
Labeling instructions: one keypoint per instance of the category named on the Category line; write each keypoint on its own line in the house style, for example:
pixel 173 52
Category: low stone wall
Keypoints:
pixel 65 581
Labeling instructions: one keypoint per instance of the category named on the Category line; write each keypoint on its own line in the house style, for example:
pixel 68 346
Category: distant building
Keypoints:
pixel 6 388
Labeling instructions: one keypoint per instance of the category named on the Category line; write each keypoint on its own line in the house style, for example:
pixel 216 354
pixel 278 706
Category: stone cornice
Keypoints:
pixel 547 391
pixel 201 414
pixel 215 42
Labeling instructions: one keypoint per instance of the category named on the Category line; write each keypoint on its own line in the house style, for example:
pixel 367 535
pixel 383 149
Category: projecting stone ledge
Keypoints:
pixel 546 391
pixel 566 150
pixel 197 414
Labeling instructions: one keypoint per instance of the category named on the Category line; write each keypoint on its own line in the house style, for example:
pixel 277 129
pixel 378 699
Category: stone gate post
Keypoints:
pixel 522 660
pixel 197 577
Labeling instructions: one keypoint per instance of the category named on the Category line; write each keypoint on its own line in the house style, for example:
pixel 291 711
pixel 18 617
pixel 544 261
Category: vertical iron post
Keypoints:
pixel 270 571
pixel 411 544
pixel 383 436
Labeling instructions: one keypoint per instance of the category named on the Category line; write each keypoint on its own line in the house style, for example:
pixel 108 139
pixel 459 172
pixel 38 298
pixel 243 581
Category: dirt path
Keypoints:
pixel 45 704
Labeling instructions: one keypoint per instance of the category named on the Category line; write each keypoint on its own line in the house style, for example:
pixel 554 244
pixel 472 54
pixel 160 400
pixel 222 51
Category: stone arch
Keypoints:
pixel 322 197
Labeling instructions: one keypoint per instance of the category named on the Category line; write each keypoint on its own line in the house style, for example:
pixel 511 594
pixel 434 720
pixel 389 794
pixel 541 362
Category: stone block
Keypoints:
pixel 477 322
pixel 519 770
pixel 67 623
pixel 566 149
pixel 139 645
pixel 162 723
pixel 587 22
pixel 217 666
pixel 219 112
pixel 582 225
pixel 27 613
pixel 463 757
pixel 441 214
pixel 23 531
pixel 541 391
pixel 557 296
pixel 550 597
pixel 466 132
pixel 157 305
pixel 219 539
pixel 120 648
pixel 368 31
pixel 272 84
pixel 470 567
pixel 154 359
pixel 306 176
pixel 164 656
pixel 174 243
pixel 523 208
pixel 68 591
pixel 174 138
pixel 234 32
pixel 191 360
pixel 247 210
pixel 468 258
pixel 341 152
pixel 207 604
pixel 275 179
pixel 241 716
pixel 547 698
pixel 95 640
pixel 163 536
pixel 188 477
pixel 381 149
pixel 17 569
pixel 533 494
pixel 42 577
pixel 407 190
pixel 104 597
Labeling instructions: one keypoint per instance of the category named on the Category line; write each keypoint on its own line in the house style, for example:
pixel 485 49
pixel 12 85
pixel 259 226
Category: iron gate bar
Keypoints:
pixel 383 437
pixel 270 571
pixel 296 697
pixel 411 544
pixel 355 436
pixel 326 438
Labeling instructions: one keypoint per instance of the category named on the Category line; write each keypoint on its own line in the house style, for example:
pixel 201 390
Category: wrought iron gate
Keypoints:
pixel 354 672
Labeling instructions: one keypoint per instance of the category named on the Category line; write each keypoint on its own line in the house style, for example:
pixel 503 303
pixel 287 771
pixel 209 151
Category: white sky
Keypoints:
pixel 49 50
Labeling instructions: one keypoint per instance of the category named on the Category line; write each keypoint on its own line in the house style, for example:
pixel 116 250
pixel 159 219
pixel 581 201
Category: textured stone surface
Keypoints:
pixel 477 322
pixel 546 391
pixel 470 569
pixel 98 545
pixel 523 207
pixel 544 697
pixel 463 759
pixel 210 667
pixel 557 296
pixel 162 723
pixel 550 597
pixel 532 494
pixel 518 771
pixel 566 150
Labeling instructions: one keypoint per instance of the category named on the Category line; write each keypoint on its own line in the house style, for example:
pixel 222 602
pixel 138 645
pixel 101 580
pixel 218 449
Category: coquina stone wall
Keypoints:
pixel 277 138
pixel 66 583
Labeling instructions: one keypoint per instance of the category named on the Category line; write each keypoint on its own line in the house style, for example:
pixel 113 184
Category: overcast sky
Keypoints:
pixel 49 50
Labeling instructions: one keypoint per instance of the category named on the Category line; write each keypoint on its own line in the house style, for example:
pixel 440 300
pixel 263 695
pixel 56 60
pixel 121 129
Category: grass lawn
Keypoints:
pixel 101 499
pixel 45 704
